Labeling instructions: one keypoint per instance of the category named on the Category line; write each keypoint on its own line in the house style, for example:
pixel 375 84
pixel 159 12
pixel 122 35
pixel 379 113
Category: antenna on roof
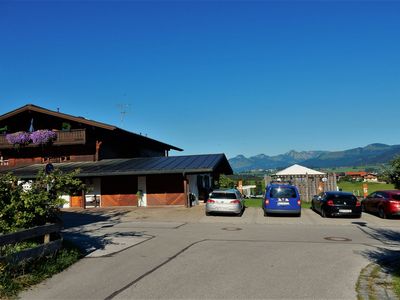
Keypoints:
pixel 124 109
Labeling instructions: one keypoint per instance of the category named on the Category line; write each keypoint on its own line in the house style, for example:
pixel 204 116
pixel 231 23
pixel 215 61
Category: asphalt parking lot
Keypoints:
pixel 251 215
pixel 177 252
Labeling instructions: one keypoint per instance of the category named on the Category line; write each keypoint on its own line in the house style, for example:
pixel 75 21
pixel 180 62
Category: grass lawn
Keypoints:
pixel 357 187
pixel 253 202
pixel 396 282
pixel 14 279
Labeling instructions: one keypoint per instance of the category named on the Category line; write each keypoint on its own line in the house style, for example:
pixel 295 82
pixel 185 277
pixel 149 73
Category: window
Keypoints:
pixel 283 192
pixel 221 195
pixel 342 197
pixel 396 197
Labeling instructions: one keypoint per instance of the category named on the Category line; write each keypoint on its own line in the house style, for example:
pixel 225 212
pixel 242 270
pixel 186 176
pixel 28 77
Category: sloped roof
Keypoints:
pixel 31 107
pixel 298 170
pixel 189 164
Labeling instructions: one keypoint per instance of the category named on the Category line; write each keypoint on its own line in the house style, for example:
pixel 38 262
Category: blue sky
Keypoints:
pixel 235 77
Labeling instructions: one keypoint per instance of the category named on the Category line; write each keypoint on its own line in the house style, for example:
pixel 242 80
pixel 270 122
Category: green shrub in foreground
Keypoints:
pixel 25 208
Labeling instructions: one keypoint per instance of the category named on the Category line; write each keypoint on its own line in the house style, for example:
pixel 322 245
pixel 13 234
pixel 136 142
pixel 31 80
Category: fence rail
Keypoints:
pixel 48 247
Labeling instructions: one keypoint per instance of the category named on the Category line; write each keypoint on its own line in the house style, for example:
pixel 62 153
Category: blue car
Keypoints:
pixel 282 199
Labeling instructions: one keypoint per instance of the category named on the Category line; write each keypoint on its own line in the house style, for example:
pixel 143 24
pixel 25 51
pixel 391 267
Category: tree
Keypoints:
pixel 393 173
pixel 24 205
pixel 226 182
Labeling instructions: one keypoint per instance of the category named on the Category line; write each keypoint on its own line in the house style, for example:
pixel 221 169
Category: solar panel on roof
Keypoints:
pixel 137 166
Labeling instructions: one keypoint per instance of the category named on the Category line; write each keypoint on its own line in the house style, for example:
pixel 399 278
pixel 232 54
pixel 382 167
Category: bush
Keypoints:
pixel 38 202
pixel 392 174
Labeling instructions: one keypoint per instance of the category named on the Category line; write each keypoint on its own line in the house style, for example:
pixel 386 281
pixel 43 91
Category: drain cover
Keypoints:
pixel 232 228
pixel 337 239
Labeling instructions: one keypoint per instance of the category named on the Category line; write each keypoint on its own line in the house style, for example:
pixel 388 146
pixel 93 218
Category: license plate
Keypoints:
pixel 345 210
pixel 283 203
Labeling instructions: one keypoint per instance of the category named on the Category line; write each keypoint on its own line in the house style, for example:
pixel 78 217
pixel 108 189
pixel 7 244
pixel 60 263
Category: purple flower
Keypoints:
pixel 18 138
pixel 43 136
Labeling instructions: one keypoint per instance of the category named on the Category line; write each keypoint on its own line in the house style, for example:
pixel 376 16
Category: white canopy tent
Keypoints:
pixel 298 170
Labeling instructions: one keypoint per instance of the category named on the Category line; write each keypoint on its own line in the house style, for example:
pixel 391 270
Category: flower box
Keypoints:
pixel 43 136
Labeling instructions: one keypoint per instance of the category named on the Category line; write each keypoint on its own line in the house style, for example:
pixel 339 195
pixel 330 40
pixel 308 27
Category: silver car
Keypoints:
pixel 225 201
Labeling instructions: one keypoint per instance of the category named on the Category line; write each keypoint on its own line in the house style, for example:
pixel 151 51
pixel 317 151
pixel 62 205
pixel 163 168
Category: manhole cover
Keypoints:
pixel 337 239
pixel 232 228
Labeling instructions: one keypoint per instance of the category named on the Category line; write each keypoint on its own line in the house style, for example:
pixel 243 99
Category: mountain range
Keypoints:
pixel 369 155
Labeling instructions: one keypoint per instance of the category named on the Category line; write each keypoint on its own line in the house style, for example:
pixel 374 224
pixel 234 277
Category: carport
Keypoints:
pixel 151 181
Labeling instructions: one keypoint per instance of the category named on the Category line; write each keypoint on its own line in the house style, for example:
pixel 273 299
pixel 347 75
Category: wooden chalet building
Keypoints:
pixel 116 164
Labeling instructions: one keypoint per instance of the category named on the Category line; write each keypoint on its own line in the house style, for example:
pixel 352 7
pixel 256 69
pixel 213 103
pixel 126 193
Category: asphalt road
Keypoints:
pixel 179 253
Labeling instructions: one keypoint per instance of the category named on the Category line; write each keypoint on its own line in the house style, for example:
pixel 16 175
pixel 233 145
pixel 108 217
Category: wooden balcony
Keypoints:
pixel 72 137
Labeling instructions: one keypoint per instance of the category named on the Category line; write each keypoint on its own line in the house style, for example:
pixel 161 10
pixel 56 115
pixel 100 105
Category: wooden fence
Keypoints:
pixel 48 247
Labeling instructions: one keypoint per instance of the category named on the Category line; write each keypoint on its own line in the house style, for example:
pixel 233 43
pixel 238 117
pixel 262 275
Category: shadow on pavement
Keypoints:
pixel 79 218
pixel 386 236
pixel 83 228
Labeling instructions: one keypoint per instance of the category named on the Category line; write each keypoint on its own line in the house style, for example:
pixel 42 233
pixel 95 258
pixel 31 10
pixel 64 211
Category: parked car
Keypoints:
pixel 281 199
pixel 334 203
pixel 225 201
pixel 385 203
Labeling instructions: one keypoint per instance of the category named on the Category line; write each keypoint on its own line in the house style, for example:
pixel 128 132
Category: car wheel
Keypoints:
pixel 382 213
pixel 299 214
pixel 208 214
pixel 312 206
pixel 265 213
pixel 241 212
pixel 323 213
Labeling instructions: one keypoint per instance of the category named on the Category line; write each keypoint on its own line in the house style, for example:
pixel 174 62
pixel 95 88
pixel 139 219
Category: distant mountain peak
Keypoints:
pixel 375 153
pixel 261 156
pixel 240 156
pixel 377 146
pixel 291 152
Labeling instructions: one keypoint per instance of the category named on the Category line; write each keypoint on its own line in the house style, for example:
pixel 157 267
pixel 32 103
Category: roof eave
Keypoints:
pixel 31 107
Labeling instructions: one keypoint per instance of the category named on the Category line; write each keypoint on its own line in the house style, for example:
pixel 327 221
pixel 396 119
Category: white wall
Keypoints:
pixel 142 187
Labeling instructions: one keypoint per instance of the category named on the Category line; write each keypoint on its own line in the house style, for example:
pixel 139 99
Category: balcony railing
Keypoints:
pixel 72 137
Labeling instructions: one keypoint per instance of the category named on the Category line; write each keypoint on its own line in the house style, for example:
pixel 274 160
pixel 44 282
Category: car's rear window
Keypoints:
pixel 283 192
pixel 218 195
pixel 341 197
pixel 396 197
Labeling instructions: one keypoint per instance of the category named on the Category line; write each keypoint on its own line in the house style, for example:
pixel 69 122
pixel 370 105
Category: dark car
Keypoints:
pixel 334 203
pixel 384 203
pixel 282 199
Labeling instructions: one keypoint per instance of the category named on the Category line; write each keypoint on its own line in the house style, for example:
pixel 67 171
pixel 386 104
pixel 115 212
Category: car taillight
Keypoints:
pixel 358 203
pixel 299 202
pixel 330 202
pixel 210 201
pixel 235 201
pixel 266 201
